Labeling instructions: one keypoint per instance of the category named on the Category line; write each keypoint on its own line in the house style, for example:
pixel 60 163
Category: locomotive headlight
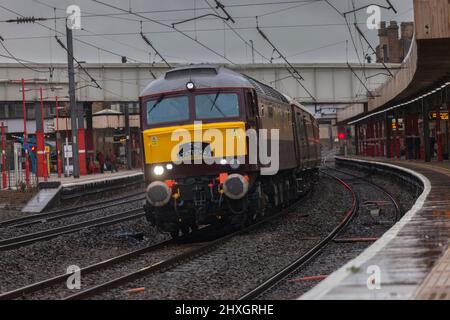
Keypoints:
pixel 158 170
pixel 236 186
pixel 223 161
pixel 169 166
pixel 190 85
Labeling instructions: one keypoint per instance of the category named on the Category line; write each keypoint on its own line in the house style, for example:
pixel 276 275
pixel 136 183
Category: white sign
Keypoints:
pixel 68 151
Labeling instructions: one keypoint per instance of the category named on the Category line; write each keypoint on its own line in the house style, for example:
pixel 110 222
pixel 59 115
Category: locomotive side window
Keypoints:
pixel 270 111
pixel 250 105
pixel 167 109
pixel 217 105
pixel 309 129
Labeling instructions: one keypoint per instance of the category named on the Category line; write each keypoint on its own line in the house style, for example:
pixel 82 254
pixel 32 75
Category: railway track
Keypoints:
pixel 376 186
pixel 97 286
pixel 309 256
pixel 167 264
pixel 190 252
pixel 45 284
pixel 70 212
pixel 22 240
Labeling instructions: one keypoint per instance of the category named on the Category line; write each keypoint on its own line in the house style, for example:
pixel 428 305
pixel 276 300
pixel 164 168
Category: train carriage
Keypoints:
pixel 199 125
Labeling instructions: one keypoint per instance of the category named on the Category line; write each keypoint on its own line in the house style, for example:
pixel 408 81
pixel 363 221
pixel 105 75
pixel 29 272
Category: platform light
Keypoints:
pixel 402 104
pixel 190 85
pixel 169 166
pixel 158 170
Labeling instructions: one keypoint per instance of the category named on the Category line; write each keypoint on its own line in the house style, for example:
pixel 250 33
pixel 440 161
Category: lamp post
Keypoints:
pixel 41 157
pixel 40 140
pixel 4 157
pixel 57 136
pixel 25 133
pixel 58 152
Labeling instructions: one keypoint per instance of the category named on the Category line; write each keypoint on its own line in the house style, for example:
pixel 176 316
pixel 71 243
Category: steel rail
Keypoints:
pixel 67 212
pixel 383 190
pixel 19 241
pixel 21 292
pixel 175 261
pixel 310 254
pixel 76 213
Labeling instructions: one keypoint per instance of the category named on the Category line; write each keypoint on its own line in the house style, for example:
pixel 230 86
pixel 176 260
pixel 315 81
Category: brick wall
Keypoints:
pixel 391 48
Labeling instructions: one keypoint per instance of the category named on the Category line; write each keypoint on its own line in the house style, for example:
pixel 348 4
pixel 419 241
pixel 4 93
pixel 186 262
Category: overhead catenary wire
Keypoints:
pixel 167 26
pixel 147 41
pixel 289 8
pixel 290 68
pixel 20 61
pixel 239 35
pixel 189 30
pixel 373 50
pixel 364 84
pixel 61 33
pixel 360 80
pixel 216 14
pixel 361 60
pixel 231 5
pixel 78 63
pixel 389 7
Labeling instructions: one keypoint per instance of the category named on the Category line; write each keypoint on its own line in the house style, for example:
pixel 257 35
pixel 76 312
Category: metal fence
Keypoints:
pixel 12 168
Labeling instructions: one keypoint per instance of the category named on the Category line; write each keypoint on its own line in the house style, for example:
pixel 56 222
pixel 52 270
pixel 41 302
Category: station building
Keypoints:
pixel 105 111
pixel 408 117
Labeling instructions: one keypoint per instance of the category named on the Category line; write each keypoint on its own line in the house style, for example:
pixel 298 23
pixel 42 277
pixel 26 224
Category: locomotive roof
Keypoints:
pixel 203 76
pixel 208 76
pixel 298 104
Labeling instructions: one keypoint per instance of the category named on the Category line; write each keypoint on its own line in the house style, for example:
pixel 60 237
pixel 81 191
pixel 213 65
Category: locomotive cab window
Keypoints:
pixel 216 105
pixel 167 109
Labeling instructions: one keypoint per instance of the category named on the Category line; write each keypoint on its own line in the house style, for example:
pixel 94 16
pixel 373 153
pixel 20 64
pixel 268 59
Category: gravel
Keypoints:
pixel 45 259
pixel 11 231
pixel 8 211
pixel 228 272
pixel 244 261
pixel 335 255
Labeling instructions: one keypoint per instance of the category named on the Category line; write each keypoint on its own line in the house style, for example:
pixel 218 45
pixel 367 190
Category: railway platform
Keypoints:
pixel 412 260
pixel 51 191
pixel 92 178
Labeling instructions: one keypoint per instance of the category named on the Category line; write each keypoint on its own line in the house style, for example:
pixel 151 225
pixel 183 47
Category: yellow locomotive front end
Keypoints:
pixel 195 151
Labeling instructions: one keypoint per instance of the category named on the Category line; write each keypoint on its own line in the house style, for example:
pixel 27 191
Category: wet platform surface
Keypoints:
pixel 41 200
pixel 49 190
pixel 412 260
pixel 92 178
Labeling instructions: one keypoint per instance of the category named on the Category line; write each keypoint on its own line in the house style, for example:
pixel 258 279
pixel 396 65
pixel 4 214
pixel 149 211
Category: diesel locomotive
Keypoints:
pixel 199 126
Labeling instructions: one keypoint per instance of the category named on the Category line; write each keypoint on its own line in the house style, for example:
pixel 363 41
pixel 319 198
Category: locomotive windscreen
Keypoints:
pixel 218 105
pixel 167 109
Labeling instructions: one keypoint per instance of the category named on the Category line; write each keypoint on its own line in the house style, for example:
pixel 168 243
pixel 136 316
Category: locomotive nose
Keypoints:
pixel 235 186
pixel 158 194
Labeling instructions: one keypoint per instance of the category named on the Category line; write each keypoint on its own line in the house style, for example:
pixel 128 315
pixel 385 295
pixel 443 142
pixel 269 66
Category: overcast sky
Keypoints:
pixel 305 31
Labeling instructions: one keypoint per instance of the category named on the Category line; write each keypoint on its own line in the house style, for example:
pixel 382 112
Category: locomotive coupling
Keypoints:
pixel 158 194
pixel 235 186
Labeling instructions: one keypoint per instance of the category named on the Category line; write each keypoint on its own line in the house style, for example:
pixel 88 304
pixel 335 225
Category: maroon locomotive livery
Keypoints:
pixel 221 184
